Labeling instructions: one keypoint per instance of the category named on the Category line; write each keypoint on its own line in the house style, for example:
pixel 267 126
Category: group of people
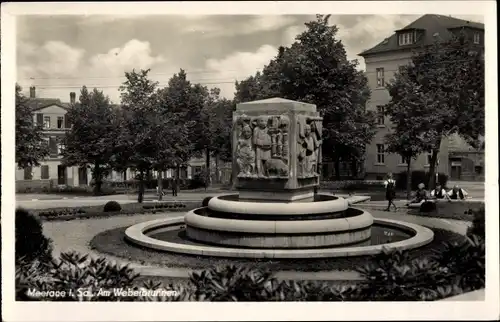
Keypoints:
pixel 421 195
pixel 174 186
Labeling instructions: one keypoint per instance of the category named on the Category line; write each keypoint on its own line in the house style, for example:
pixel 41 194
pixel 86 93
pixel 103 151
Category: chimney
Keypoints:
pixel 72 97
pixel 32 92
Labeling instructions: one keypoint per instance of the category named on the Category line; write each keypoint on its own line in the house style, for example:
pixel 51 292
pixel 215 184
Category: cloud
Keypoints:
pixel 134 54
pixel 238 66
pixel 56 68
pixel 228 26
pixel 54 59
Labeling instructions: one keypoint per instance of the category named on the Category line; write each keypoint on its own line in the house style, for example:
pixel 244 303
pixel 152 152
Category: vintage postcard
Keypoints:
pixel 255 154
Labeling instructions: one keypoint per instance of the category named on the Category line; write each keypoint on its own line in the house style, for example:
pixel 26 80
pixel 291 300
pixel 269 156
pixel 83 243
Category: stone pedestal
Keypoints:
pixel 276 150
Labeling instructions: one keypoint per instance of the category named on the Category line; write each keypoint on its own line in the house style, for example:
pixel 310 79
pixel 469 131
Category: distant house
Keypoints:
pixel 456 158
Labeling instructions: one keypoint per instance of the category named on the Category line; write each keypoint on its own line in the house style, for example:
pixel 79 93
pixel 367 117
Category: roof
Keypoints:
pixel 432 24
pixel 40 103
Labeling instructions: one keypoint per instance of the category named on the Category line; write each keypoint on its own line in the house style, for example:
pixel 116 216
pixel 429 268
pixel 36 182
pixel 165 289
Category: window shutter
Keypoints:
pixel 53 146
pixel 39 119
pixel 45 171
pixel 66 121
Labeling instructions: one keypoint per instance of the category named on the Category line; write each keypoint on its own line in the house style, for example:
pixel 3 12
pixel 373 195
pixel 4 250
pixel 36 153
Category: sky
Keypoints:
pixel 61 53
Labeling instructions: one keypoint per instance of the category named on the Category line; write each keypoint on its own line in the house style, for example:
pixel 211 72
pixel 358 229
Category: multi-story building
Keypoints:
pixel 456 158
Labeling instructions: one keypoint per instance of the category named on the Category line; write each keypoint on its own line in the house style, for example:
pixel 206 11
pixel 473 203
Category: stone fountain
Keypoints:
pixel 276 212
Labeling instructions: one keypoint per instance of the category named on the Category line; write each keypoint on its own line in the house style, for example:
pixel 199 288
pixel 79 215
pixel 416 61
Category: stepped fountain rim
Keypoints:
pixel 217 203
pixel 136 234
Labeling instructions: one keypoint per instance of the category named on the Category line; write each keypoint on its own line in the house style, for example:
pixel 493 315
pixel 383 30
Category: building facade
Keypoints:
pixel 456 158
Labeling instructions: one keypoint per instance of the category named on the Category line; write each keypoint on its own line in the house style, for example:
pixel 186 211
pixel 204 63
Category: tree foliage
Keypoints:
pixel 315 69
pixel 137 144
pixel 90 141
pixel 445 85
pixel 31 148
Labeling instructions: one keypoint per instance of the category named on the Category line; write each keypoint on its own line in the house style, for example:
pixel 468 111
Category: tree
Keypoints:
pixel 90 141
pixel 31 148
pixel 214 130
pixel 449 78
pixel 406 110
pixel 136 144
pixel 315 69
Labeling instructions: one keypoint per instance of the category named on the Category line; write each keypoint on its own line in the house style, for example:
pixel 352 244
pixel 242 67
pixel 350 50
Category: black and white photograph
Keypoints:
pixel 269 153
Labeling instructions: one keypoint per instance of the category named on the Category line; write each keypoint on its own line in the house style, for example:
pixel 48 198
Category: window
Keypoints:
pixel 28 173
pixel 60 148
pixel 380 77
pixel 477 38
pixel 403 160
pixel 405 38
pixel 45 172
pixel 39 119
pixel 401 69
pixel 380 154
pixel 429 158
pixel 380 115
pixel 46 122
pixel 60 122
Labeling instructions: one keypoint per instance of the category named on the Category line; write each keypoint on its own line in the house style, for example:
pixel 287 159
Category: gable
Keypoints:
pixel 52 109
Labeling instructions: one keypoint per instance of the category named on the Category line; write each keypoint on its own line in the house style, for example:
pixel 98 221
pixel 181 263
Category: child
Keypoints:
pixel 390 191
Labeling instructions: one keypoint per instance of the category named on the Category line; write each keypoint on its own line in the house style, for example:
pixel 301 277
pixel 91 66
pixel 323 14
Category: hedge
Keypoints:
pixel 418 177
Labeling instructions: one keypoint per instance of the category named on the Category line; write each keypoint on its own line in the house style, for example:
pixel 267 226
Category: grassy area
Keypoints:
pixel 112 242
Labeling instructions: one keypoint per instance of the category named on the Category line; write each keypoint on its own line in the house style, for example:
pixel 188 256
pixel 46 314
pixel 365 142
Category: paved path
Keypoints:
pixel 75 235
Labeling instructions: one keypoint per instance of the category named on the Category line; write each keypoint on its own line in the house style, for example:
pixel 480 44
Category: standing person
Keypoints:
pixel 390 191
pixel 174 187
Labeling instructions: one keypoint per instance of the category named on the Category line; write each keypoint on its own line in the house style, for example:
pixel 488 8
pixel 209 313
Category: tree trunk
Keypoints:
pixel 354 168
pixel 160 185
pixel 97 179
pixel 408 180
pixel 217 173
pixel 140 196
pixel 337 168
pixel 432 169
pixel 207 165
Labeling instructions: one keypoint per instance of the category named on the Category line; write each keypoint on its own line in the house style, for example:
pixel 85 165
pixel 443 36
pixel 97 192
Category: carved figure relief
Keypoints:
pixel 262 149
pixel 308 147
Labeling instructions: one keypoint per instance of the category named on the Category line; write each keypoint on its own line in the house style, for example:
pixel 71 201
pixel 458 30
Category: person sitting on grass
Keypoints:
pixel 420 195
pixel 390 191
pixel 457 193
pixel 440 193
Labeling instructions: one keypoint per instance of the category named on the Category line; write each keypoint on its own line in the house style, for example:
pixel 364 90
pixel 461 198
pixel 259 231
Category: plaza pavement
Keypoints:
pixel 75 236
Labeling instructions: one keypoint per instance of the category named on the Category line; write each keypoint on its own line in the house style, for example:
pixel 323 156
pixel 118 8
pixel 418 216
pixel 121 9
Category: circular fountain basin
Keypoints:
pixel 266 232
pixel 143 234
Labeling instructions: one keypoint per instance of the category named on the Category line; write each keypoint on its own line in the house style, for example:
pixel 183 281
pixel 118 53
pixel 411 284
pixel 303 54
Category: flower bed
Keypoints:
pixel 127 209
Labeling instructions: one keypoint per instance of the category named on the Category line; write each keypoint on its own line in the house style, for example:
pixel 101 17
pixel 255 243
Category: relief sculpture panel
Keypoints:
pixel 309 141
pixel 262 149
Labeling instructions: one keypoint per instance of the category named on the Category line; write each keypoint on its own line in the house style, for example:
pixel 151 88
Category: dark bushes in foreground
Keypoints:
pixel 394 277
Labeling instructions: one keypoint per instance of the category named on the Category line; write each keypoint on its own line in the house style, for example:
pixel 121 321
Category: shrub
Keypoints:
pixel 61 212
pixel 112 206
pixel 73 271
pixel 205 201
pixel 394 276
pixel 428 206
pixel 30 241
pixel 418 177
pixel 465 261
pixel 478 224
